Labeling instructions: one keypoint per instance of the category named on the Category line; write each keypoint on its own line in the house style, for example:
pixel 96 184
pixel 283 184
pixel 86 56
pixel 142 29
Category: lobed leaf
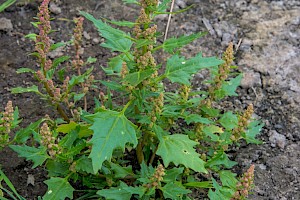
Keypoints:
pixel 180 70
pixel 58 189
pixel 220 159
pixel 137 77
pixel 23 134
pixel 253 130
pixel 116 40
pixel 111 130
pixel 229 121
pixel 179 149
pixel 228 179
pixel 173 43
pixel 172 174
pixel 174 191
pixel 220 193
pixel 36 155
pixel 121 172
pixel 123 192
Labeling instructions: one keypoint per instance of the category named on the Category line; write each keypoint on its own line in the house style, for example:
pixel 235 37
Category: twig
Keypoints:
pixel 169 20
pixel 238 45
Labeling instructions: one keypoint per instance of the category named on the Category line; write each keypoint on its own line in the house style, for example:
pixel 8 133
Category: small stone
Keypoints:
pixel 277 139
pixel 251 79
pixel 86 35
pixel 180 3
pixel 54 8
pixel 226 39
pixel 262 166
pixel 96 40
pixel 30 180
pixel 5 24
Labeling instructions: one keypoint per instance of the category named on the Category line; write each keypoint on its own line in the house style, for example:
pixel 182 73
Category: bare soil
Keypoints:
pixel 266 35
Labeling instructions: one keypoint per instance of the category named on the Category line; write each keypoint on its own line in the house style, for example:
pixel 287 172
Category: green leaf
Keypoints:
pixel 174 191
pixel 220 159
pixel 18 90
pixel 211 130
pixel 113 85
pixel 122 192
pixel 253 130
pixel 31 36
pixel 91 60
pixel 59 60
pixel 121 172
pixel 25 70
pixel 58 189
pixel 16 119
pixel 6 4
pixel 137 77
pixel 202 184
pixel 172 174
pixel 57 45
pixel 179 149
pixel 229 87
pixel 194 118
pixel 163 6
pixel 123 23
pixel 228 179
pixel 77 97
pixel 111 130
pixel 219 193
pixel 68 140
pixel 180 70
pixel 36 155
pixel 116 40
pixel 131 1
pixel 115 65
pixel 171 44
pixel 142 42
pixel 76 79
pixel 23 134
pixel 66 128
pixel 210 111
pixel 56 168
pixel 229 121
pixel 84 164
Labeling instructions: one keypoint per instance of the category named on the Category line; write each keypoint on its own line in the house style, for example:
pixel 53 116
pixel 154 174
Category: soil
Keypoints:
pixel 266 36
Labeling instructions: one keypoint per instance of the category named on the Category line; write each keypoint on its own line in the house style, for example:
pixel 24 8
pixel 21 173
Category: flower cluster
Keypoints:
pixel 42 45
pixel 146 3
pixel 157 177
pixel 48 140
pixel 242 123
pixel 77 62
pixel 223 71
pixel 184 92
pixel 158 104
pixel 7 117
pixel 244 185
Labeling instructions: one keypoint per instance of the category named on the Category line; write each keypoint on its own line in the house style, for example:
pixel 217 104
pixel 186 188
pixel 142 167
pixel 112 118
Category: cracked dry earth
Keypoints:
pixel 266 35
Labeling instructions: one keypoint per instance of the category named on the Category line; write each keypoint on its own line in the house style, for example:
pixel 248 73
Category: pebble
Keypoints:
pixel 277 139
pixel 54 8
pixel 5 24
pixel 86 35
pixel 96 40
pixel 180 3
pixel 251 79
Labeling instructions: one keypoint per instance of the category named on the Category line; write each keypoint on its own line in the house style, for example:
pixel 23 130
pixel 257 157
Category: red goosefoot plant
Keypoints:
pixel 158 144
